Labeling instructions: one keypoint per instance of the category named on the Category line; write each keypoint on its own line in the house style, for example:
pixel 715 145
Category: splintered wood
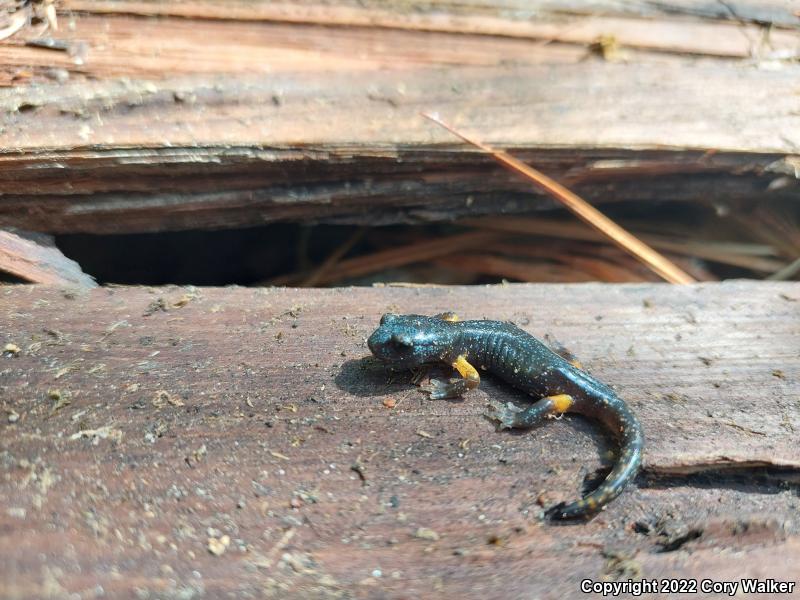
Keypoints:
pixel 204 442
pixel 35 259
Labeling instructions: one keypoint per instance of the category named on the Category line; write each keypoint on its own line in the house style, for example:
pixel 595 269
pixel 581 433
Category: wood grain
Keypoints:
pixel 202 114
pixel 453 13
pixel 262 162
pixel 139 423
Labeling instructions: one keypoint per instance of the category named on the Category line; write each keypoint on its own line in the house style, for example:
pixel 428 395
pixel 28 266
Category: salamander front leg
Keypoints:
pixel 508 417
pixel 454 388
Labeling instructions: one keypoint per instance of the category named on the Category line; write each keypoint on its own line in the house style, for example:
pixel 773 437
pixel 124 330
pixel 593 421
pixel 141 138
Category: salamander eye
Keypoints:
pixel 402 339
pixel 388 318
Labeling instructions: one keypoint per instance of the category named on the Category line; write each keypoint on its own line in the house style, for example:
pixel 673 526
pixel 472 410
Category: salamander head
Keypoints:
pixel 411 340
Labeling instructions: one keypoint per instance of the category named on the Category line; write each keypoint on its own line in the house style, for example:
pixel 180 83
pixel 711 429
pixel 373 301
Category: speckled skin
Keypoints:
pixel 407 341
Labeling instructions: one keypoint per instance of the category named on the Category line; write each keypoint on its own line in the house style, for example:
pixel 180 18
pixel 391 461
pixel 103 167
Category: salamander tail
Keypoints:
pixel 624 471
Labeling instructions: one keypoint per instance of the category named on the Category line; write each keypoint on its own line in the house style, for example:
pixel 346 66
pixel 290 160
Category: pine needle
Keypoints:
pixel 657 262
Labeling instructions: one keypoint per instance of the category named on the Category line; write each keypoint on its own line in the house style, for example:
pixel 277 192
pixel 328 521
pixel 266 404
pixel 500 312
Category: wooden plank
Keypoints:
pixel 389 159
pixel 780 13
pixel 36 259
pixel 139 423
pixel 226 114
pixel 718 37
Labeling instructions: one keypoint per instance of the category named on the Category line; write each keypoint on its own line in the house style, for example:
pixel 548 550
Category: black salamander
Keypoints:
pixel 408 341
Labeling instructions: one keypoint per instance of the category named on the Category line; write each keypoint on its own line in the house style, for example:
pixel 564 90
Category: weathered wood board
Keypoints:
pixel 152 116
pixel 141 426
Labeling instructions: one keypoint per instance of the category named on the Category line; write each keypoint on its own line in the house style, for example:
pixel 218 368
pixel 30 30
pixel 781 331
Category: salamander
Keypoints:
pixel 502 348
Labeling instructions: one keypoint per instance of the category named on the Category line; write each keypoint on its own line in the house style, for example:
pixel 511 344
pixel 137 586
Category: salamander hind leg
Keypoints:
pixel 508 417
pixel 454 388
pixel 563 351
